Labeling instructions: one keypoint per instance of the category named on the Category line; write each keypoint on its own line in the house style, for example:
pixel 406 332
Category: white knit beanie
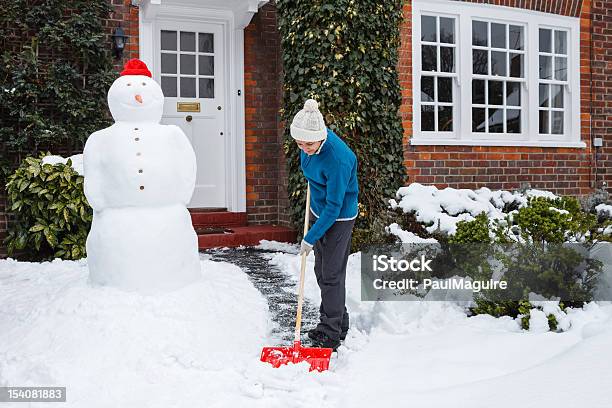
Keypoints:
pixel 308 124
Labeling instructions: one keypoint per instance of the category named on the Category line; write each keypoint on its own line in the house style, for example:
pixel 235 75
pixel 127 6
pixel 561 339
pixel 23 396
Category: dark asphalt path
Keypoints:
pixel 278 289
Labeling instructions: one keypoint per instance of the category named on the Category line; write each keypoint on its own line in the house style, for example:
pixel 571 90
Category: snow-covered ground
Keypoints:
pixel 199 347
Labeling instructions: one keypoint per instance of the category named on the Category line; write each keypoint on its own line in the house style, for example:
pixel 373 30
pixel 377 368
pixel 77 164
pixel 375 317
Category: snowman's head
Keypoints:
pixel 135 96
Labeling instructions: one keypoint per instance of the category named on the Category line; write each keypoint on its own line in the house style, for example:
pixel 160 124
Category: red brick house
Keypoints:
pixel 496 95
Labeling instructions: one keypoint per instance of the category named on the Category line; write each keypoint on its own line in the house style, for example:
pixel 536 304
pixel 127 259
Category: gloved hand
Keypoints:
pixel 305 248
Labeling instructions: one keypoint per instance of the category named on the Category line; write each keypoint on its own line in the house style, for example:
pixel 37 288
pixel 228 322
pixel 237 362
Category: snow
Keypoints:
pixel 604 210
pixel 114 348
pixel 200 345
pixel 278 246
pixel 443 209
pixel 139 177
pixel 430 354
pixel 77 161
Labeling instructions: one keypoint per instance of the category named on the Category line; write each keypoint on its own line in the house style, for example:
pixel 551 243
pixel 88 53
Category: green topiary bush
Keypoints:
pixel 53 216
pixel 344 54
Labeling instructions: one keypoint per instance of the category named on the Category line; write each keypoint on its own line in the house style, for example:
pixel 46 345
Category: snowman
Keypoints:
pixel 139 177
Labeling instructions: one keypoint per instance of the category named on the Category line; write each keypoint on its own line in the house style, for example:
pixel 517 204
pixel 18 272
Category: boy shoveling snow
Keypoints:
pixel 330 167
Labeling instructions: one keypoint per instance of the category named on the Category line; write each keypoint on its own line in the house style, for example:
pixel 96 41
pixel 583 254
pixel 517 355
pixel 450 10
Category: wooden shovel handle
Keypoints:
pixel 298 318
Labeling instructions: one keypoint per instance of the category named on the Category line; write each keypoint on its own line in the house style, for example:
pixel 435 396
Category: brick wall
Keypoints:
pixel 562 170
pixel 602 86
pixel 122 15
pixel 265 170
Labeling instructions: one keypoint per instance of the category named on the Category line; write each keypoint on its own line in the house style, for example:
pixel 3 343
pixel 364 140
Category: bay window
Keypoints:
pixel 493 75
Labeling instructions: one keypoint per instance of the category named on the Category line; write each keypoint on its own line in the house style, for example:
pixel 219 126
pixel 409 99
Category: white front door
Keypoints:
pixel 189 67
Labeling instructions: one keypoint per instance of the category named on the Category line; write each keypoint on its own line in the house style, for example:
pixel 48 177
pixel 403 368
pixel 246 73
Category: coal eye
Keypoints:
pixel 129 84
pixel 144 83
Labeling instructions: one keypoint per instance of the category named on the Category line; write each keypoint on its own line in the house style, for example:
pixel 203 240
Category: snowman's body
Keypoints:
pixel 139 177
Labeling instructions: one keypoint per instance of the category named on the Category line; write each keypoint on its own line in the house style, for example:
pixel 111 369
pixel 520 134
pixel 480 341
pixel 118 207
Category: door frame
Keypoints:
pixel 150 13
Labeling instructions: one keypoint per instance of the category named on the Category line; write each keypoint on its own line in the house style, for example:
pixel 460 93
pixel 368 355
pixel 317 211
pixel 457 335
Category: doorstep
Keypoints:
pixel 218 228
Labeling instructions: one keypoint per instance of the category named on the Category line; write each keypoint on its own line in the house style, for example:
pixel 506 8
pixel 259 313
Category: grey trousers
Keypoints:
pixel 331 255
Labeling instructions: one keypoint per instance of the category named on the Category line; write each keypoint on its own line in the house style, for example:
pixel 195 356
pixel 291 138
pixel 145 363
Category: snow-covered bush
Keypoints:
pixel 459 219
pixel 538 258
pixel 52 216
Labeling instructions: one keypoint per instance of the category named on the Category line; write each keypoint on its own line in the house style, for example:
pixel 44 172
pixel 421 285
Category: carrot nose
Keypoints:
pixel 138 98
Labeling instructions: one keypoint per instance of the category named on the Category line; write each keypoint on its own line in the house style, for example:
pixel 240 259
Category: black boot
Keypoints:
pixel 324 341
pixel 315 334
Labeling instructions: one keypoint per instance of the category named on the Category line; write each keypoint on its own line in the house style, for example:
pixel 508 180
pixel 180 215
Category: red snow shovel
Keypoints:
pixel 318 358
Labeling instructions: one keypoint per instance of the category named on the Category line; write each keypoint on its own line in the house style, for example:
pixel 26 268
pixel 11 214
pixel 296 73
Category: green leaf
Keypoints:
pixel 36 228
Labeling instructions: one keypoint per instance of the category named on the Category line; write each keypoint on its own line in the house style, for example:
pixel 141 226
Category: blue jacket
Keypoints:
pixel 332 174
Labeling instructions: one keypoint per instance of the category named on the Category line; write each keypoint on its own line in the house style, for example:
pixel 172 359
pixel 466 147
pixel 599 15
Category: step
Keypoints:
pixel 205 218
pixel 246 235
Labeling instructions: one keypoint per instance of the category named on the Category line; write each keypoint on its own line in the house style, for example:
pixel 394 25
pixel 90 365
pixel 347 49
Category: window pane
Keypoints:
pixel 429 58
pixel 206 65
pixel 496 120
pixel 557 123
pixel 498 63
pixel 207 87
pixel 168 40
pixel 498 35
pixel 544 122
pixel 561 68
pixel 445 90
pixel 427 89
pixel 187 41
pixel 560 42
pixel 516 65
pixel 545 40
pixel 544 95
pixel 513 93
pixel 496 93
pixel 168 63
pixel 206 42
pixel 188 88
pixel 515 40
pixel 478 91
pixel 479 33
pixel 168 85
pixel 557 96
pixel 545 67
pixel 445 118
pixel 447 30
pixel 188 64
pixel 428 28
pixel 447 59
pixel 427 117
pixel 513 121
pixel 480 63
pixel 479 120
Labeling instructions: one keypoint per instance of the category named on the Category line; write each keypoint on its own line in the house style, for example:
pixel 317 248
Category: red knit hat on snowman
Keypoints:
pixel 136 67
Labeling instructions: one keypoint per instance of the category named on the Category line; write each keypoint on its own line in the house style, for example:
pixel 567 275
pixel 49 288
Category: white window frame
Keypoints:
pixel 462 133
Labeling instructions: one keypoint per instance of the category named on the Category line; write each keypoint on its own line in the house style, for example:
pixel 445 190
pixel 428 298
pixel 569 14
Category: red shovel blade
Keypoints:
pixel 318 358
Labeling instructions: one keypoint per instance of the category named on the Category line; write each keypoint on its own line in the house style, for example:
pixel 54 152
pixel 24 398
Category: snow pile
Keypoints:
pixel 77 161
pixel 443 209
pixel 604 210
pixel 112 348
pixel 430 354
pixel 276 246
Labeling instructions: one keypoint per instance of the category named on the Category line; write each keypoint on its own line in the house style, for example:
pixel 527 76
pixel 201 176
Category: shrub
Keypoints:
pixel 537 259
pixel 52 213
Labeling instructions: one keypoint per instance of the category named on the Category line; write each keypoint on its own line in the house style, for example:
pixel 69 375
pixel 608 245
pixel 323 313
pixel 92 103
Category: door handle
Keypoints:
pixel 188 118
